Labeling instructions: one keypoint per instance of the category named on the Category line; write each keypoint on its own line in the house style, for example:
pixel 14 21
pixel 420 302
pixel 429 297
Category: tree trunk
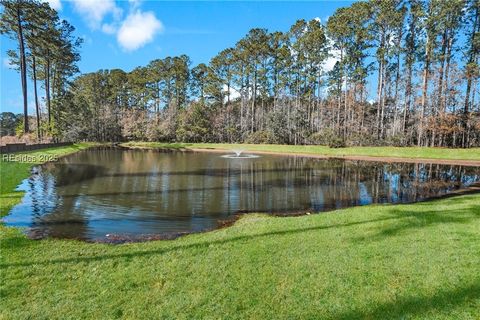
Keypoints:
pixel 471 59
pixel 426 71
pixel 23 68
pixel 408 96
pixel 410 60
pixel 386 85
pixel 446 86
pixel 441 70
pixel 345 108
pixel 228 92
pixel 379 96
pixel 397 81
pixel 340 84
pixel 37 107
pixel 47 92
pixel 254 98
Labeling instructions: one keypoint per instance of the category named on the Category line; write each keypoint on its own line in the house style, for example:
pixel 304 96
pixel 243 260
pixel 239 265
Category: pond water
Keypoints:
pixel 124 195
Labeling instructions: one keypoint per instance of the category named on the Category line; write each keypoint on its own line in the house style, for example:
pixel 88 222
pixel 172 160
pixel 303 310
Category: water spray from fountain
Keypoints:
pixel 238 154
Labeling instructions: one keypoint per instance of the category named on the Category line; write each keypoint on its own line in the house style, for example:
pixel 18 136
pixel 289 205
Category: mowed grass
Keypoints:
pixel 397 152
pixel 416 261
pixel 11 173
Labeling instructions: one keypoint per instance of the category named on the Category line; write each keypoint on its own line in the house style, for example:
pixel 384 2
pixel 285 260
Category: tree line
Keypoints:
pixel 47 52
pixel 396 72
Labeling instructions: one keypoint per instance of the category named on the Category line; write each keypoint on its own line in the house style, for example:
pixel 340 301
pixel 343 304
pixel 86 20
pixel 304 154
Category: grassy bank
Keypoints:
pixel 400 152
pixel 406 261
pixel 417 261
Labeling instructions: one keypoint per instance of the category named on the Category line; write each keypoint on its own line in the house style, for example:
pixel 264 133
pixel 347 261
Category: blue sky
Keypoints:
pixel 127 34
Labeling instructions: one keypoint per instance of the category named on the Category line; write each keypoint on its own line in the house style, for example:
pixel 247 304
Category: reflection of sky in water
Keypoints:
pixel 144 192
pixel 365 198
pixel 40 198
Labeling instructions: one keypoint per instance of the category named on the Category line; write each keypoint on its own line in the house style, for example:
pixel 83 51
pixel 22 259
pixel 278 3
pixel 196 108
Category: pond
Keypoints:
pixel 127 195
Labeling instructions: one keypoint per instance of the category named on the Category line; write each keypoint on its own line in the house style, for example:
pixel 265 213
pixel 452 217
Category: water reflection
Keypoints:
pixel 127 192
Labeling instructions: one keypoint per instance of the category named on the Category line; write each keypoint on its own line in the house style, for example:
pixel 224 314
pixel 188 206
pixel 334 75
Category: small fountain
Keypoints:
pixel 238 155
pixel 237 152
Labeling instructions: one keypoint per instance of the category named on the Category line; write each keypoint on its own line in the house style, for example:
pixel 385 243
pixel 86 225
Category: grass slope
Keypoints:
pixel 417 261
pixel 400 152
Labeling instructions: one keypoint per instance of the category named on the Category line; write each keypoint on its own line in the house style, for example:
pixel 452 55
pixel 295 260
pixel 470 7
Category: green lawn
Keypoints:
pixel 401 152
pixel 417 261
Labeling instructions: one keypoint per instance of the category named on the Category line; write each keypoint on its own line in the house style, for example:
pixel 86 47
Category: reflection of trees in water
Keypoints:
pixel 177 187
pixel 71 173
pixel 345 183
pixel 53 215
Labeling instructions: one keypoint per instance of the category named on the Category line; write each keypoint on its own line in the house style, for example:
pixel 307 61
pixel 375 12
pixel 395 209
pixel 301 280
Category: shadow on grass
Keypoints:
pixel 414 220
pixel 419 306
pixel 197 245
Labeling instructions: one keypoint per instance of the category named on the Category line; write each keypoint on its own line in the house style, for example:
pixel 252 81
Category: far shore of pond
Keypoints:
pixel 462 157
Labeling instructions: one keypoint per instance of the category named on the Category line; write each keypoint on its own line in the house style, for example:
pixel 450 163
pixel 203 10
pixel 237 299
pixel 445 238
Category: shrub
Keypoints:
pixel 327 137
pixel 362 139
pixel 261 137
pixel 277 123
pixel 322 137
pixel 337 142
pixel 398 140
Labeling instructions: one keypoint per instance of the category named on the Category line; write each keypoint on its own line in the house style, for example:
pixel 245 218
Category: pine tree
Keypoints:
pixel 13 24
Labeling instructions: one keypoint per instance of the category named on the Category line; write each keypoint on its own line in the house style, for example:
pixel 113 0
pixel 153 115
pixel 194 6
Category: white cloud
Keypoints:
pixel 93 11
pixel 109 28
pixel 134 4
pixel 331 61
pixel 234 94
pixel 138 29
pixel 55 4
pixel 132 32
